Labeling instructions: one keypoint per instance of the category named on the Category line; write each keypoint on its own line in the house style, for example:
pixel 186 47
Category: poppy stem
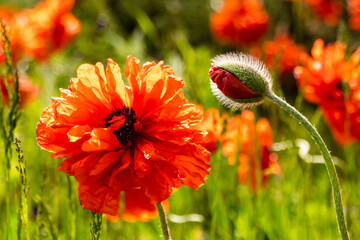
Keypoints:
pixel 334 180
pixel 163 222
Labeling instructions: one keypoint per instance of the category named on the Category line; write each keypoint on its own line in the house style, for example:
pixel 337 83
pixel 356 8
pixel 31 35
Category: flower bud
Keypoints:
pixel 239 80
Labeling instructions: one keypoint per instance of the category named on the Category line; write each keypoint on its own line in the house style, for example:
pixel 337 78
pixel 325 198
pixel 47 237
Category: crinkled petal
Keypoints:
pixel 139 207
pixel 192 161
pixel 77 132
pixel 99 198
pixel 132 70
pixel 108 161
pixel 115 85
pixel 92 171
pixel 120 167
pixel 163 178
pixel 102 139
pixel 89 85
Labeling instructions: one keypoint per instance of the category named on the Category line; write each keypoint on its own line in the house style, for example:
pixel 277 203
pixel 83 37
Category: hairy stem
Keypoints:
pixel 163 222
pixel 335 185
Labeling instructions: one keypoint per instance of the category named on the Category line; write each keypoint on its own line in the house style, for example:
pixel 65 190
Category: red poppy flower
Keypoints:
pixel 212 124
pixel 240 141
pixel 324 78
pixel 47 28
pixel 282 53
pixel 239 22
pixel 120 138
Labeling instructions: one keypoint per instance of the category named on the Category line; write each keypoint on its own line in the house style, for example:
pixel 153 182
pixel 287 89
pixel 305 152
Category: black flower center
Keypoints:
pixel 125 133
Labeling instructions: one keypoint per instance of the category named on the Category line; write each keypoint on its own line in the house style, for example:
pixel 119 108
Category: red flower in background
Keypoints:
pixel 123 138
pixel 137 207
pixel 239 141
pixel 239 22
pixel 40 31
pixel 327 10
pixel 230 139
pixel 324 78
pixel 269 163
pixel 282 53
pixel 353 7
pixel 27 90
pixel 330 11
pixel 212 124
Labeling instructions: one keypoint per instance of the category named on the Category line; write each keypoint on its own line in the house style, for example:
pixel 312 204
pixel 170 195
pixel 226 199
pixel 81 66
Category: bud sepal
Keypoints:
pixel 239 80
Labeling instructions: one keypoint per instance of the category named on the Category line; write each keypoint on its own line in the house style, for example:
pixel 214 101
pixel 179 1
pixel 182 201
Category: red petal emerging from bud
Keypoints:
pixel 230 85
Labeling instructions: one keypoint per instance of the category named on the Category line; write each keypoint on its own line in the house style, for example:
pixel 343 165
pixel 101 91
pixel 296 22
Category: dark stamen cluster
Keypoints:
pixel 126 132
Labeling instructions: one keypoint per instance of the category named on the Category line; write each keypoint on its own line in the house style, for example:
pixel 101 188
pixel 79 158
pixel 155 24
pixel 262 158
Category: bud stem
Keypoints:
pixel 163 222
pixel 334 180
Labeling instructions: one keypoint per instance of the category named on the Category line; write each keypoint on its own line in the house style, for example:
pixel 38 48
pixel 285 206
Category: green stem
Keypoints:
pixel 95 225
pixel 163 222
pixel 335 185
pixel 23 208
pixel 8 210
pixel 72 210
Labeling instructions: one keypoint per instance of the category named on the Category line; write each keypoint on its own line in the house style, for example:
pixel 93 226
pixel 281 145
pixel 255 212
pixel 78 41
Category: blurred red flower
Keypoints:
pixel 120 138
pixel 40 31
pixel 27 90
pixel 353 7
pixel 239 22
pixel 212 124
pixel 240 140
pixel 269 163
pixel 282 53
pixel 137 207
pixel 333 83
pixel 330 11
pixel 327 10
